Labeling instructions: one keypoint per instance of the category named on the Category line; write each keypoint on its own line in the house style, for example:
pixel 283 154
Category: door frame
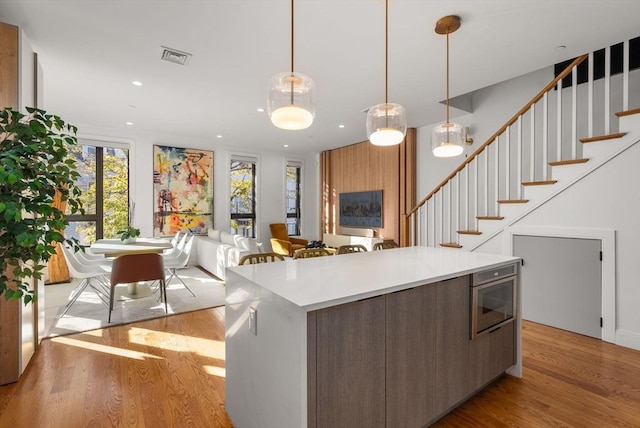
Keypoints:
pixel 607 237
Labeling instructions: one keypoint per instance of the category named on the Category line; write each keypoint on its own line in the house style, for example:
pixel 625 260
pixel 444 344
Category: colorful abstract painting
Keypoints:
pixel 182 190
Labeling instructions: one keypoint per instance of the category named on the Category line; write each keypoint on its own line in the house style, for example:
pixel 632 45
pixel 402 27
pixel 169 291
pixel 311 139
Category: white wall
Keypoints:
pixel 270 180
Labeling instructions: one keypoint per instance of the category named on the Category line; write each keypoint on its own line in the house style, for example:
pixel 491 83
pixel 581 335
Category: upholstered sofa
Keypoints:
pixel 219 250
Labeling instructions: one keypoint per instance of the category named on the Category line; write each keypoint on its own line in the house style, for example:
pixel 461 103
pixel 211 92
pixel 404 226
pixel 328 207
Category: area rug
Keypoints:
pixel 89 312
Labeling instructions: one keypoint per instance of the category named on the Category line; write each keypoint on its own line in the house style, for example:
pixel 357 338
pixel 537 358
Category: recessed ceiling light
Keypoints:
pixel 132 106
pixel 219 136
pixel 129 123
pixel 340 126
pixel 136 83
pixel 560 47
pixel 260 109
pixel 286 145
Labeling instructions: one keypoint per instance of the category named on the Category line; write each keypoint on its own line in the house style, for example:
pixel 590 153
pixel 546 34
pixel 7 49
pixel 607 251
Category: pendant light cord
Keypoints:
pixel 292 24
pixel 292 53
pixel 447 75
pixel 386 51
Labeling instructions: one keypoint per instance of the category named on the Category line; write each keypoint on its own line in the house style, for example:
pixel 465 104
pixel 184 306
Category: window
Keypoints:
pixel 243 196
pixel 104 180
pixel 293 198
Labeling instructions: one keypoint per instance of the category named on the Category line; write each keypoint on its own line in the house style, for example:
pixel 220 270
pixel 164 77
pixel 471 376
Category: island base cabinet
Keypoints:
pixel 410 367
pixel 350 365
pixel 452 343
pixel 399 360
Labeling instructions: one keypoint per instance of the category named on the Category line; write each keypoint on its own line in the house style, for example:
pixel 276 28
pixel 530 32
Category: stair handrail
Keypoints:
pixel 499 132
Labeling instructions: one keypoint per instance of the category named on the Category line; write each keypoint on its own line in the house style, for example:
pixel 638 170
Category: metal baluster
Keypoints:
pixel 507 154
pixel 496 166
pixel 532 142
pixel 474 215
pixel 574 113
pixel 545 136
pixel 559 121
pixel 590 96
pixel 458 225
pixel 486 181
pixel 519 160
pixel 607 90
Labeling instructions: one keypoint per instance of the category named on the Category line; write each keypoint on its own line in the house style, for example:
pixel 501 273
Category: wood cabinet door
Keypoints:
pixel 350 365
pixel 491 355
pixel 410 359
pixel 452 342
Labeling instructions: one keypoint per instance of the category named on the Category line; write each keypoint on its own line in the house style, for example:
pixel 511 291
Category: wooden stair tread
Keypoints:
pixel 603 137
pixel 568 162
pixel 513 201
pixel 489 217
pixel 628 112
pixel 450 245
pixel 469 232
pixel 539 183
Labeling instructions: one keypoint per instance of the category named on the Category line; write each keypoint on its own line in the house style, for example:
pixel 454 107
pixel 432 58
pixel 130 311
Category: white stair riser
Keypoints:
pixel 567 172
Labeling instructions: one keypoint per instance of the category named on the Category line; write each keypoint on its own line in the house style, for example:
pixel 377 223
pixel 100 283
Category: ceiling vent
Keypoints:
pixel 175 56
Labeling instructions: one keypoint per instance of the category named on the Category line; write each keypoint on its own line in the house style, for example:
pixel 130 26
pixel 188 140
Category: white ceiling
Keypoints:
pixel 91 51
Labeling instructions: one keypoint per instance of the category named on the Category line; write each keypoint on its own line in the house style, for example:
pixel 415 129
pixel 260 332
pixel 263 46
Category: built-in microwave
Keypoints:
pixel 493 299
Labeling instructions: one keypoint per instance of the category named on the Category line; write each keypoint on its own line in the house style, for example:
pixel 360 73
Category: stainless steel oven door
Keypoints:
pixel 492 305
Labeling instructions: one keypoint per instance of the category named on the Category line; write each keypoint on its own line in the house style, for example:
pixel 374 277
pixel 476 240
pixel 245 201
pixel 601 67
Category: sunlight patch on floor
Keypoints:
pixel 104 348
pixel 178 342
pixel 215 371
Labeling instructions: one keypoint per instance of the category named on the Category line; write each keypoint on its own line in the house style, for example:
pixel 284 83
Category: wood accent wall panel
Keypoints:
pixel 57 268
pixel 408 158
pixel 9 311
pixel 363 167
pixel 8 65
pixel 350 367
pixel 312 383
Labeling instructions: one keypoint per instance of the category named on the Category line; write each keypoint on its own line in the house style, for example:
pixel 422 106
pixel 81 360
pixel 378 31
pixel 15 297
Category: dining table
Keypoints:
pixel 116 248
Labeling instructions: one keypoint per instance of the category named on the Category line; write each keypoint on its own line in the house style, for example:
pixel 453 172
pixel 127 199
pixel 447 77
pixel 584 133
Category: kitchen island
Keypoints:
pixel 361 339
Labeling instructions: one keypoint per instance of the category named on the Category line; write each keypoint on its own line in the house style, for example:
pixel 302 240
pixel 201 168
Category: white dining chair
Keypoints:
pixel 93 275
pixel 178 245
pixel 179 261
pixel 88 258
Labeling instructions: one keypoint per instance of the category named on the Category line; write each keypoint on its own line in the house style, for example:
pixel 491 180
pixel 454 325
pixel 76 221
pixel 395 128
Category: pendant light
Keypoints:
pixel 291 96
pixel 386 123
pixel 447 139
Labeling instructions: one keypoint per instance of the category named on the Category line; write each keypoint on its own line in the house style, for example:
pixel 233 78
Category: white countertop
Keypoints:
pixel 321 282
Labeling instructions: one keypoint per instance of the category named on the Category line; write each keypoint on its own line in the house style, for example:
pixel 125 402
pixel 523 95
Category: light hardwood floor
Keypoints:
pixel 170 372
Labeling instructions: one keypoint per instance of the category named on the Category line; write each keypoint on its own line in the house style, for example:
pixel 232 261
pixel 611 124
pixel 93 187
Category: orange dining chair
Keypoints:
pixel 282 243
pixel 138 267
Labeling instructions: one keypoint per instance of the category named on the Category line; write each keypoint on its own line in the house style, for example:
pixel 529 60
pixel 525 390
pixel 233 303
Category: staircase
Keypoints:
pixel 561 136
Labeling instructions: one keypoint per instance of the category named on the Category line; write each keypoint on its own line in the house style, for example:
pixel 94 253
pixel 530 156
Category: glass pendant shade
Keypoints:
pixel 447 139
pixel 291 101
pixel 386 124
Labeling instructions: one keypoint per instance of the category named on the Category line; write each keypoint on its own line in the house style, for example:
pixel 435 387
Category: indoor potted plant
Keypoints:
pixel 35 164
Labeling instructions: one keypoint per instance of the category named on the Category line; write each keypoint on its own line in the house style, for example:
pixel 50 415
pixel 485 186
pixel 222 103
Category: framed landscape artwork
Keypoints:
pixel 182 190
pixel 361 209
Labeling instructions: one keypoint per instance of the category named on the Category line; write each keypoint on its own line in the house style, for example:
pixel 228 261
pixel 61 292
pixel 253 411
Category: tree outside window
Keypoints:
pixel 243 197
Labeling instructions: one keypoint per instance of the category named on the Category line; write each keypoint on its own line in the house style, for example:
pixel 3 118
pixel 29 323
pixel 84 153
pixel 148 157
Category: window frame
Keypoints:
pixel 254 191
